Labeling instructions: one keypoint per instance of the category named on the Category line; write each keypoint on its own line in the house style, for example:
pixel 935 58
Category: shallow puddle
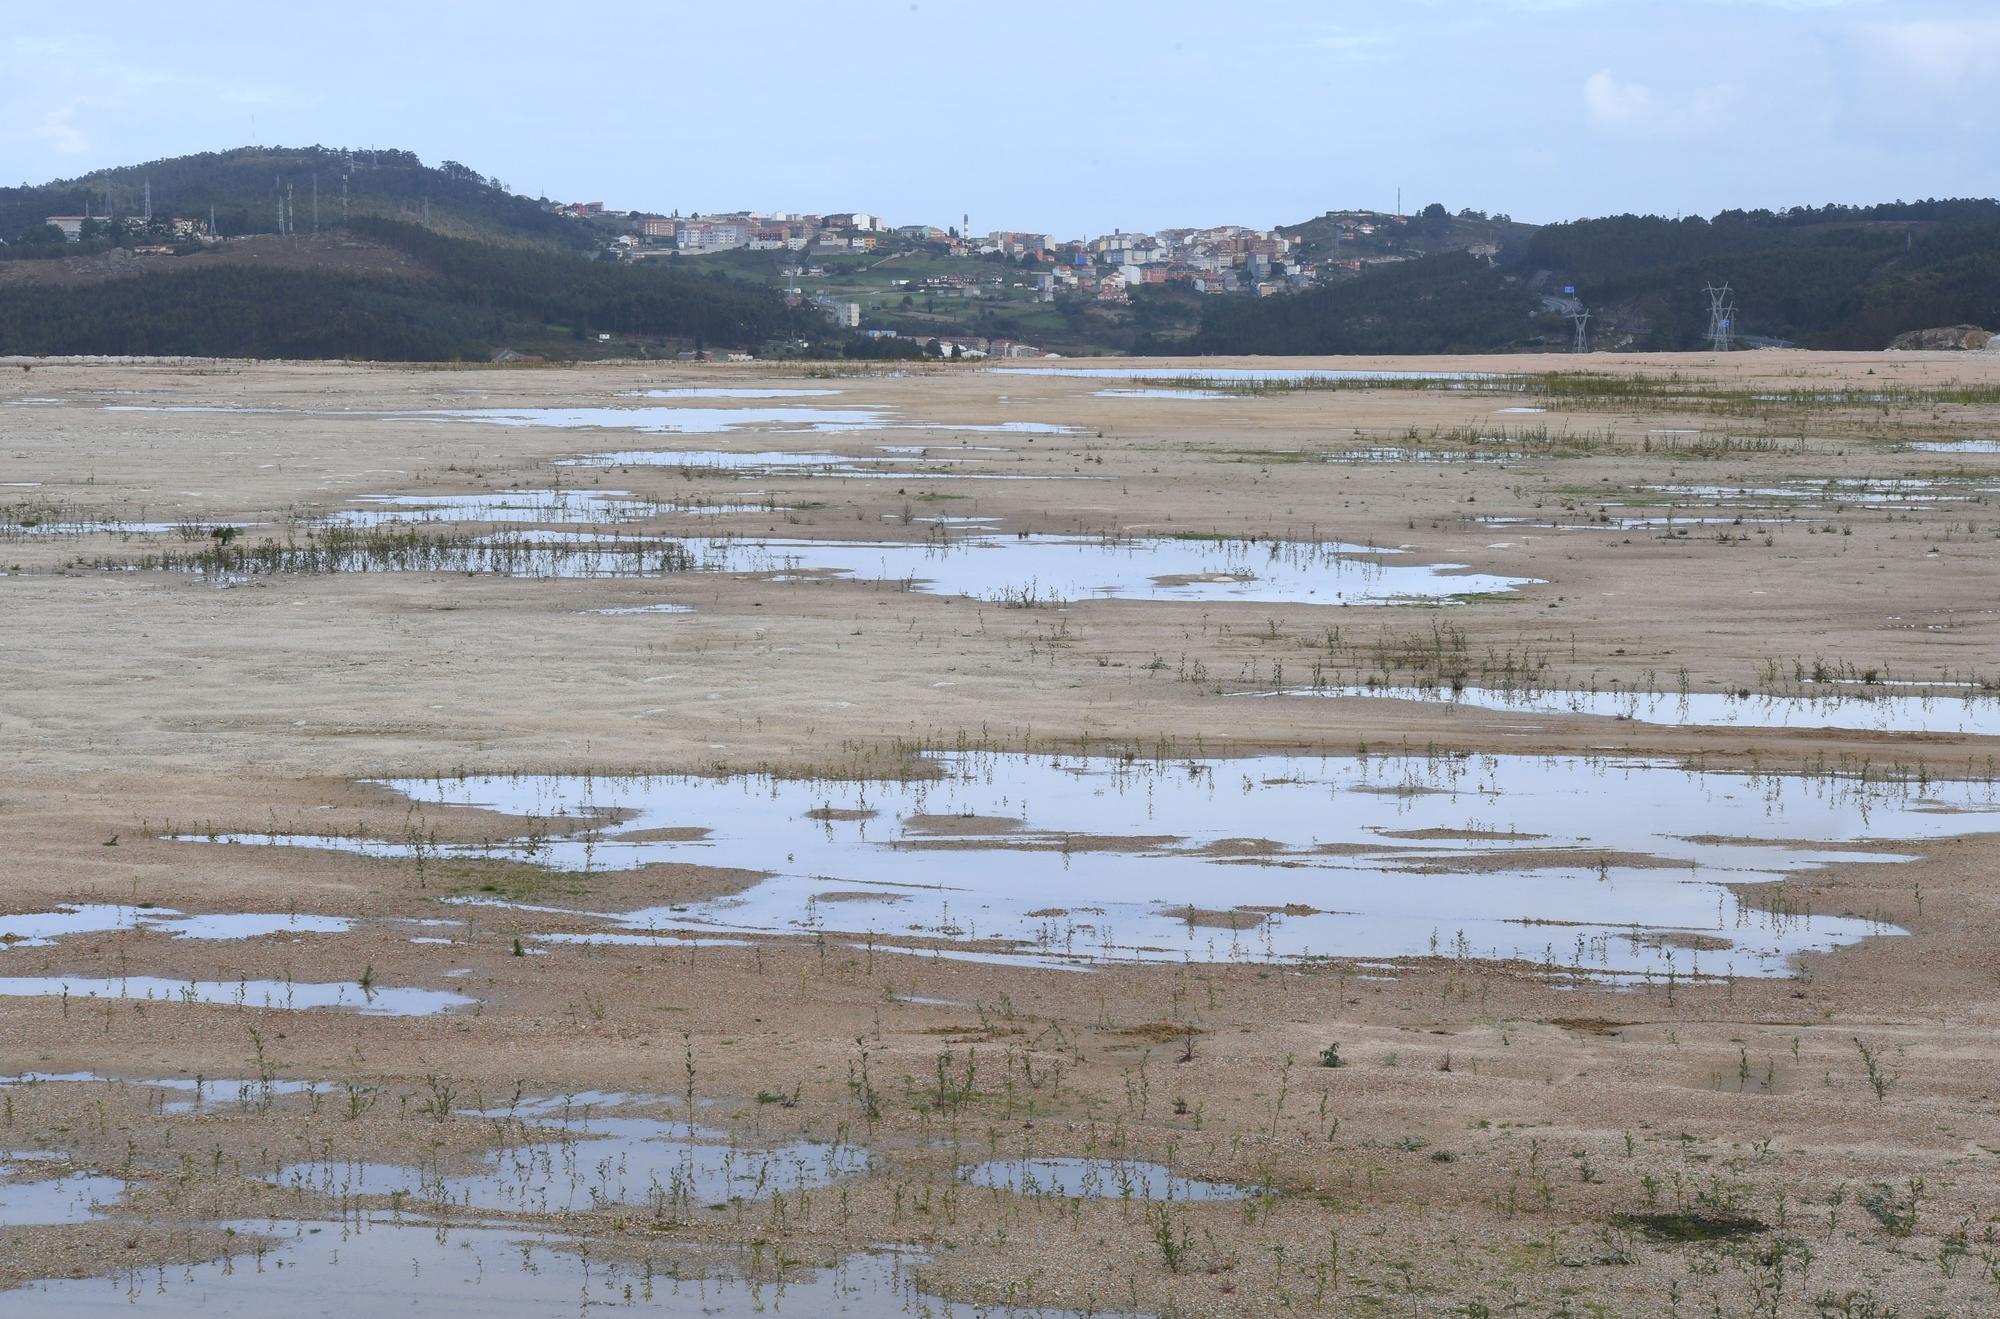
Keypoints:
pixel 660 420
pixel 715 421
pixel 1016 570
pixel 1043 569
pixel 27 521
pixel 1955 446
pixel 1165 393
pixel 1605 522
pixel 1097 1179
pixel 38 929
pixel 31 1198
pixel 1970 716
pixel 617 611
pixel 892 466
pixel 724 460
pixel 376 1001
pixel 539 507
pixel 176 1095
pixel 1232 375
pixel 1829 490
pixel 593 1161
pixel 1607 867
pixel 668 421
pixel 372 1265
pixel 729 391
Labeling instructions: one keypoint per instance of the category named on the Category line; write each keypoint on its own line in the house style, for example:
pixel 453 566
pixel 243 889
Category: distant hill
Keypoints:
pixel 1830 277
pixel 1450 303
pixel 409 260
pixel 382 289
pixel 245 187
pixel 1372 236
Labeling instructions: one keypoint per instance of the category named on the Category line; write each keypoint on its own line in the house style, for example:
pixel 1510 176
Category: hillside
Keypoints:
pixel 404 259
pixel 335 250
pixel 1450 303
pixel 1832 277
pixel 1373 237
pixel 384 289
pixel 244 188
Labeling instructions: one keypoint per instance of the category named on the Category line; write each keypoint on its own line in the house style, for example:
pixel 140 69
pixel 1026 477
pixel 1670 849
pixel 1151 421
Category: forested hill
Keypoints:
pixel 1832 277
pixel 439 299
pixel 1449 303
pixel 246 186
pixel 414 261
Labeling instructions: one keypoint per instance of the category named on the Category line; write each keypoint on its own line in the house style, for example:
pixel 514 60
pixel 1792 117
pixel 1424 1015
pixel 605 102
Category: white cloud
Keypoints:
pixel 1944 53
pixel 1614 104
pixel 66 96
pixel 1636 110
pixel 1353 45
pixel 58 128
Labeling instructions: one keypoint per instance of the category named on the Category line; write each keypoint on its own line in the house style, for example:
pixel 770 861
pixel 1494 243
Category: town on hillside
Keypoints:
pixel 921 280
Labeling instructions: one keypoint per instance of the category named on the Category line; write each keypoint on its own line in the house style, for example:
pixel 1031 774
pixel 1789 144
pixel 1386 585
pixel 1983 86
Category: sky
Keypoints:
pixel 1067 119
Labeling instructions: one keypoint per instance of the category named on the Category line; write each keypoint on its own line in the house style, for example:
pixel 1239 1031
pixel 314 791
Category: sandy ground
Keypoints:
pixel 1502 1135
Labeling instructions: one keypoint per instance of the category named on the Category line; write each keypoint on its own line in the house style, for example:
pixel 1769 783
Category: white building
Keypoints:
pixel 710 235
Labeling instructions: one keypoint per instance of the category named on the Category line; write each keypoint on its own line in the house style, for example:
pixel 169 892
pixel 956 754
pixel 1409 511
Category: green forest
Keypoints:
pixel 1447 303
pixel 245 188
pixel 1827 277
pixel 474 298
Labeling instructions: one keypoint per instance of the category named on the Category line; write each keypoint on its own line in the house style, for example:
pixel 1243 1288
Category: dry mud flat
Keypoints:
pixel 704 839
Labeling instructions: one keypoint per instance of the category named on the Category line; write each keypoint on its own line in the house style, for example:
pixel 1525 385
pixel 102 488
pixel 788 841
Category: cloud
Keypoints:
pixel 58 129
pixel 1612 103
pixel 1353 45
pixel 1944 53
pixel 1635 110
pixel 51 112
